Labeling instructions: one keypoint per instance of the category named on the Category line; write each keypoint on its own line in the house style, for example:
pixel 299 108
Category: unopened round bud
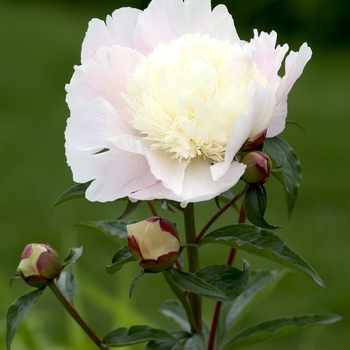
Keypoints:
pixel 40 264
pixel 258 167
pixel 154 243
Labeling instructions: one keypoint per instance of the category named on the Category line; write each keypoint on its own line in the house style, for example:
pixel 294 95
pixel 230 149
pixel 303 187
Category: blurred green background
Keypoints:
pixel 39 44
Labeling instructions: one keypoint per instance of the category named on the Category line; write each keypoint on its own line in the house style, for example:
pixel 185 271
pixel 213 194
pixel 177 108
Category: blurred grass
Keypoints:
pixel 40 43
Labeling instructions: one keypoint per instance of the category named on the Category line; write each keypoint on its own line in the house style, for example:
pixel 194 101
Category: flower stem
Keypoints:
pixel 193 262
pixel 230 260
pixel 73 312
pixel 220 212
pixel 182 298
pixel 152 208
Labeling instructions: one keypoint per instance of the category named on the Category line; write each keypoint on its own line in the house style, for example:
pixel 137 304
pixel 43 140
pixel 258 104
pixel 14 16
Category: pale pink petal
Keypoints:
pixel 104 77
pixel 278 120
pixel 121 25
pixel 164 21
pixel 94 125
pixel 96 36
pixel 259 111
pixel 268 58
pixel 198 184
pixel 118 31
pixel 295 63
pixel 116 174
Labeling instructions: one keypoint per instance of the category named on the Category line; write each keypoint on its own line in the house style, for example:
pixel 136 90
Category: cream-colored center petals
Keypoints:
pixel 186 95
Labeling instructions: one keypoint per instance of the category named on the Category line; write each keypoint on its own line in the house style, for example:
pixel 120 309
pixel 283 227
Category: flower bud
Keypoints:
pixel 258 167
pixel 39 264
pixel 154 243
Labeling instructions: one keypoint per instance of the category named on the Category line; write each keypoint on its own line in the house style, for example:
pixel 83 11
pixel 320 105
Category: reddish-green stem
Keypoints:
pixel 216 315
pixel 152 208
pixel 193 262
pixel 74 313
pixel 220 212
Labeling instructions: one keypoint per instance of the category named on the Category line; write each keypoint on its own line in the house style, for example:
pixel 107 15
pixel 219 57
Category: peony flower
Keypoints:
pixel 40 264
pixel 166 97
pixel 154 243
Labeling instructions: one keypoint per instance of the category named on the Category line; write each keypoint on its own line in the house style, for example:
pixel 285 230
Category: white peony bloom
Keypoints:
pixel 166 97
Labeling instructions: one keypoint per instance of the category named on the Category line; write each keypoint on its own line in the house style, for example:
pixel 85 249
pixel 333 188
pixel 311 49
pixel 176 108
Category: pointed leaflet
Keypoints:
pixel 121 257
pixel 277 327
pixel 67 284
pixel 191 283
pixel 260 242
pixel 289 174
pixel 114 229
pixel 17 311
pixel 261 283
pixel 134 335
pixel 255 204
pixel 169 344
pixel 227 279
pixel 130 207
pixel 73 256
pixel 195 342
pixel 76 191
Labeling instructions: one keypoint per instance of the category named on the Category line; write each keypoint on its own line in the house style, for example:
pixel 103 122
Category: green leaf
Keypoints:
pixel 290 173
pixel 73 256
pixel 260 242
pixel 277 327
pixel 166 205
pixel 227 279
pixel 195 342
pixel 261 283
pixel 134 335
pixel 67 284
pixel 130 207
pixel 77 191
pixel 174 310
pixel 169 344
pixel 191 283
pixel 255 204
pixel 17 311
pixel 114 229
pixel 121 257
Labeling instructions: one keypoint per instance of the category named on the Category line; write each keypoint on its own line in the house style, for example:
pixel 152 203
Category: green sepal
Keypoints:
pixel 277 327
pixel 73 256
pixel 121 257
pixel 17 311
pixel 134 335
pixel 130 207
pixel 227 279
pixel 255 204
pixel 261 283
pixel 75 192
pixel 67 284
pixel 260 242
pixel 191 283
pixel 114 229
pixel 289 174
pixel 165 204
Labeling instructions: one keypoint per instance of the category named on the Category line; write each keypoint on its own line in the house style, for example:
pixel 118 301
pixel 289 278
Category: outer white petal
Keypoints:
pixel 164 21
pixel 170 171
pixel 116 174
pixel 295 63
pixel 92 126
pixel 104 77
pixel 259 111
pixel 268 58
pixel 198 184
pixel 278 120
pixel 118 31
